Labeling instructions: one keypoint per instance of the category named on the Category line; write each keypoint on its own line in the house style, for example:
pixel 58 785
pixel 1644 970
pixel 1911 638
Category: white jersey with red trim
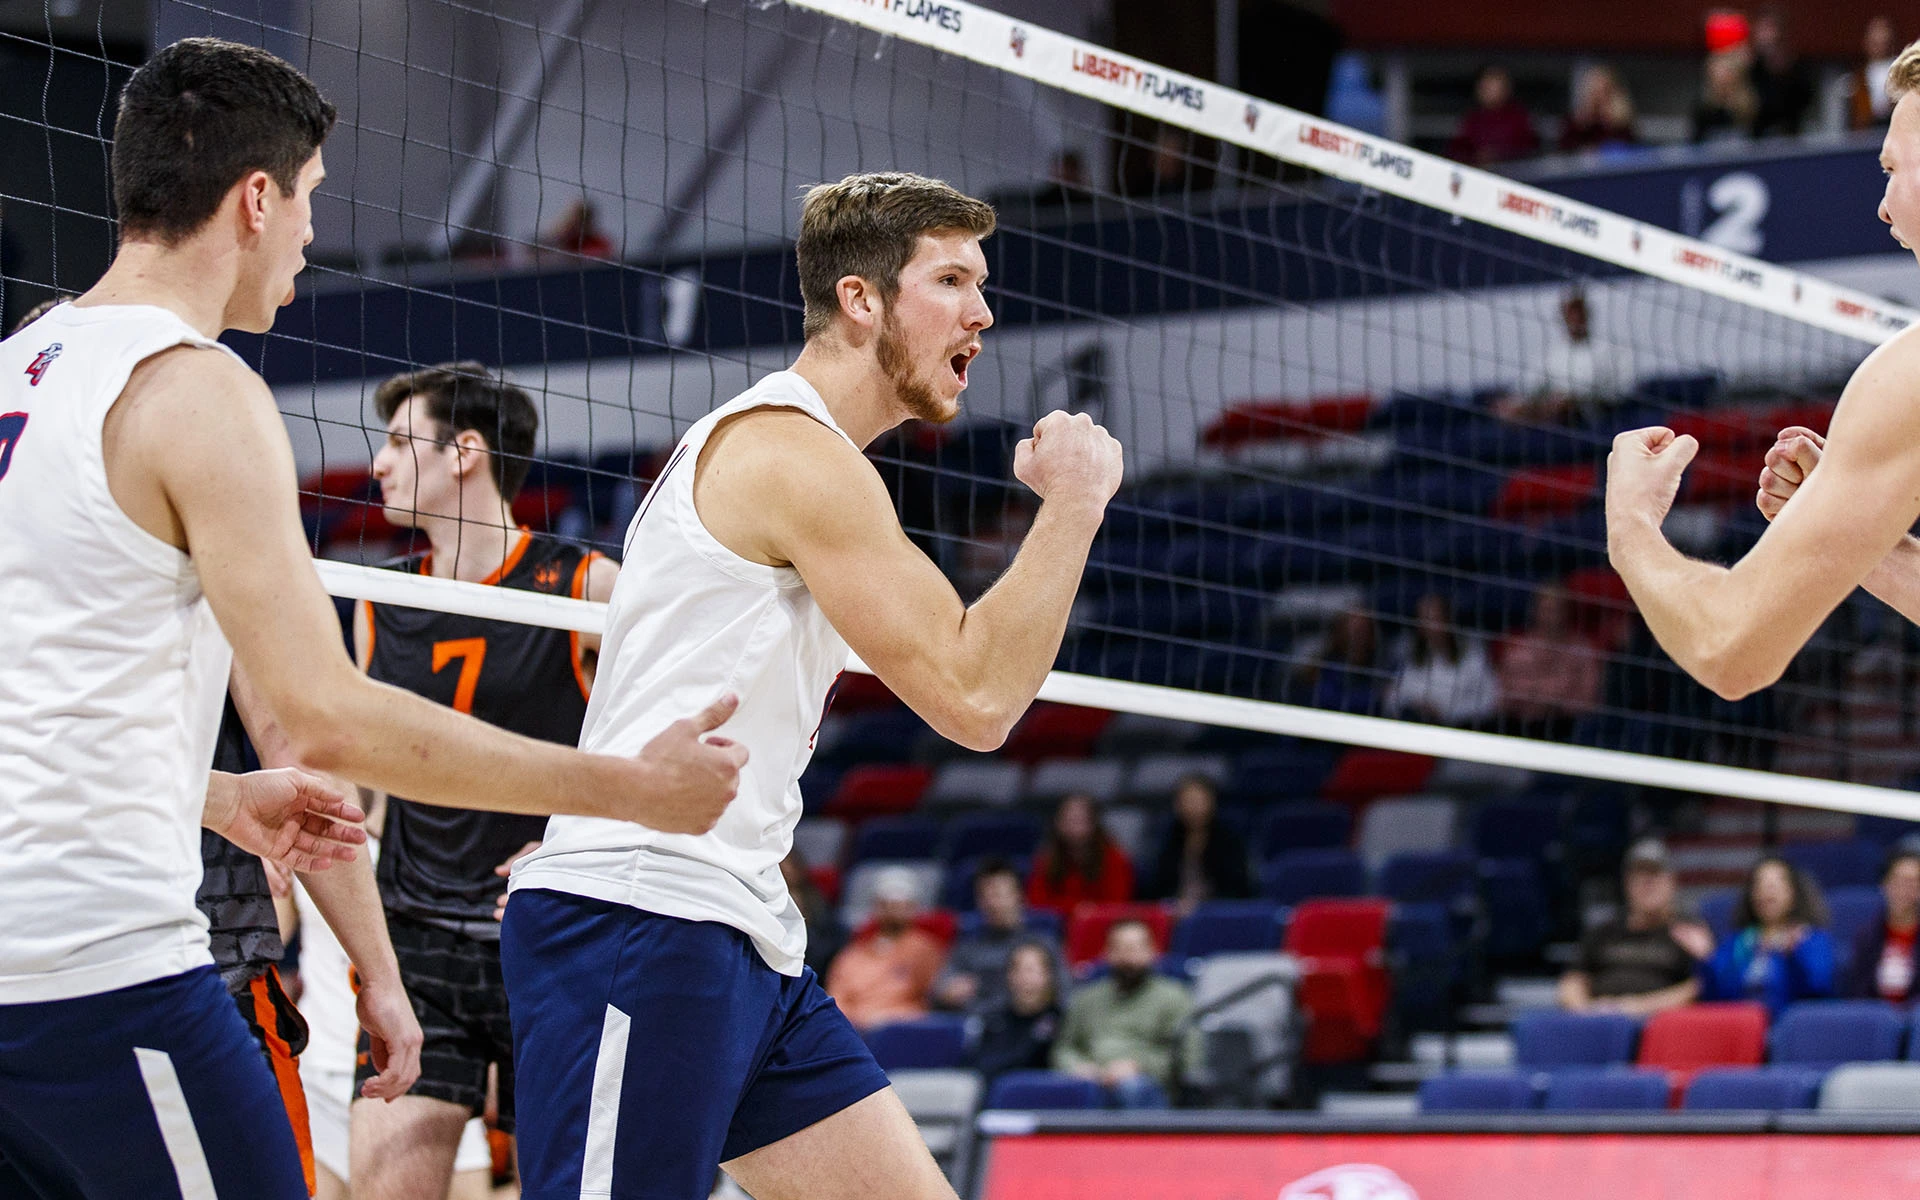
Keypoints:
pixel 112 672
pixel 690 620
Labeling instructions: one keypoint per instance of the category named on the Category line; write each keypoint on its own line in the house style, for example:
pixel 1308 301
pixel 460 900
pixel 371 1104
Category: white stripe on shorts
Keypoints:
pixel 176 1124
pixel 603 1113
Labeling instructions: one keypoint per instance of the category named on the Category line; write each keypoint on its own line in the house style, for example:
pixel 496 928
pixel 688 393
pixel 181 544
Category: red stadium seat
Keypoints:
pixel 1087 928
pixel 1688 1040
pixel 1055 731
pixel 876 791
pixel 862 693
pixel 1270 420
pixel 1343 975
pixel 1367 774
pixel 827 879
pixel 539 508
pixel 938 923
pixel 1722 476
pixel 1547 490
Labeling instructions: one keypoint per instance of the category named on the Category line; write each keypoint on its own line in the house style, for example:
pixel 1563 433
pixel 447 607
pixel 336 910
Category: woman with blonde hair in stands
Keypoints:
pixel 1602 116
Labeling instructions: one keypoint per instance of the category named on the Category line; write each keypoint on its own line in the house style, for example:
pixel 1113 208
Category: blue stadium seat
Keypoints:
pixel 894 837
pixel 1766 1088
pixel 1448 877
pixel 1716 909
pixel 1591 1090
pixel 1515 897
pixel 1040 922
pixel 1424 960
pixel 1518 830
pixel 1850 910
pixel 1472 1091
pixel 1308 826
pixel 1228 926
pixel 1547 1038
pixel 1281 773
pixel 1826 1033
pixel 1044 1090
pixel 1852 862
pixel 975 835
pixel 1306 874
pixel 884 735
pixel 929 1043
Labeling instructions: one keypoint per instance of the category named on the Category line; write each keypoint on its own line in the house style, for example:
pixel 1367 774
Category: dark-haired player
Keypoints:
pixel 148 521
pixel 458 446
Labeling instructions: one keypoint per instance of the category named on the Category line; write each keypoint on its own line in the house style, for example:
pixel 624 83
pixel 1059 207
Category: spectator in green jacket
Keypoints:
pixel 1125 1031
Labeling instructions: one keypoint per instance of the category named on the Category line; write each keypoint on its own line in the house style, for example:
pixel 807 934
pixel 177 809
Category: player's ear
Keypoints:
pixel 472 450
pixel 858 301
pixel 253 200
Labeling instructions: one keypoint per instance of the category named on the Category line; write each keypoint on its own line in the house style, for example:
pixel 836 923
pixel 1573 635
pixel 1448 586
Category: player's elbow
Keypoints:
pixel 321 733
pixel 1733 671
pixel 978 724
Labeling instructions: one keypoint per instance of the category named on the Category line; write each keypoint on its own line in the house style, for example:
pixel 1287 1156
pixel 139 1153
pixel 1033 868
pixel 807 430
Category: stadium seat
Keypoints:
pixel 1281 774
pixel 1851 862
pixel 1552 1039
pixel 1406 825
pixel 1516 830
pixel 1534 491
pixel 1367 774
pixel 1826 1033
pixel 821 841
pixel 1100 778
pixel 1128 827
pixel 1716 910
pixel 1881 1087
pixel 1040 922
pixel 1601 1090
pixel 877 791
pixel 965 783
pixel 1682 1041
pixel 895 837
pixel 1850 910
pixel 1055 731
pixel 942 1104
pixel 1300 875
pixel 1044 1090
pixel 1475 1091
pixel 856 900
pixel 1309 826
pixel 1343 984
pixel 1087 928
pixel 929 1043
pixel 975 835
pixel 1156 776
pixel 1426 965
pixel 1243 1006
pixel 1137 733
pixel 956 890
pixel 1517 907
pixel 885 735
pixel 1767 1088
pixel 1228 926
pixel 856 693
pixel 1446 877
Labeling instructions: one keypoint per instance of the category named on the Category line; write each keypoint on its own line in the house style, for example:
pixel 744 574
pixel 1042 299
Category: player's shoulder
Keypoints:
pixel 195 374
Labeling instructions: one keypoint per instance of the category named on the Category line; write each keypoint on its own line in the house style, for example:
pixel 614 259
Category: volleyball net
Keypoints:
pixel 1365 392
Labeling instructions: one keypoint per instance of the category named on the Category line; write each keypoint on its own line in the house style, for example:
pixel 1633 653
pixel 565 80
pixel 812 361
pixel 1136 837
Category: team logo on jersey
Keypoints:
pixel 1017 42
pixel 546 576
pixel 1353 1181
pixel 41 361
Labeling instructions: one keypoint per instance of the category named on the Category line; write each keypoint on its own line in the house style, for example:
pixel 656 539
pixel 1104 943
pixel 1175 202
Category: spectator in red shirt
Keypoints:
pixel 1884 964
pixel 1500 129
pixel 1550 674
pixel 1078 861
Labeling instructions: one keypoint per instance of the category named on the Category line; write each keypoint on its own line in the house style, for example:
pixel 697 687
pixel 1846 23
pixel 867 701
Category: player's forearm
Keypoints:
pixel 1698 612
pixel 1896 581
pixel 1010 637
pixel 349 899
pixel 223 799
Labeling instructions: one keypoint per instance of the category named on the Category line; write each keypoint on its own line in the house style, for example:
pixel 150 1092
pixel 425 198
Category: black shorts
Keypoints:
pixel 461 1002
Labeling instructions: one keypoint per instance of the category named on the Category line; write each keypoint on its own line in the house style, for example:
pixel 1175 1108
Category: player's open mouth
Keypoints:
pixel 958 363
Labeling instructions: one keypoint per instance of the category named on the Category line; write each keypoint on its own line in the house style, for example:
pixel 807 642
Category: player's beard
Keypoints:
pixel 914 393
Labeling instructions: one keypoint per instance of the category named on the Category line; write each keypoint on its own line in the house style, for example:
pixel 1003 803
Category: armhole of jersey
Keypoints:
pixel 579 592
pixel 364 654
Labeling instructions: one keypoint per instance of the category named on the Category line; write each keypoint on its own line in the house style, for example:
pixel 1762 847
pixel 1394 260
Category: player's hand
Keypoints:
pixel 1070 458
pixel 505 869
pixel 695 774
pixel 393 1037
pixel 1795 453
pixel 1643 474
pixel 302 821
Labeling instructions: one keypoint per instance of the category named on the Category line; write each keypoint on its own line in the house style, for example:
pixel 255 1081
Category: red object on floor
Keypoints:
pixel 1087 928
pixel 1055 731
pixel 1691 1039
pixel 876 791
pixel 1341 945
pixel 1368 774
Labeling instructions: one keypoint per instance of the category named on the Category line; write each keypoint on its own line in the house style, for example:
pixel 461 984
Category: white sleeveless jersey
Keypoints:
pixel 112 670
pixel 688 621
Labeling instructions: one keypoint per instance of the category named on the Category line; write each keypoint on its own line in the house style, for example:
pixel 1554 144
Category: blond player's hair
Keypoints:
pixel 1904 75
pixel 869 225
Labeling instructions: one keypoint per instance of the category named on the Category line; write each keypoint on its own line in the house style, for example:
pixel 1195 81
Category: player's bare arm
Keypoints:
pixel 778 487
pixel 1736 628
pixel 197 456
pixel 291 817
pixel 1793 456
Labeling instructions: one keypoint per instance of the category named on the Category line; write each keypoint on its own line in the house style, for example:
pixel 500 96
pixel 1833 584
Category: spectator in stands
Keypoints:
pixel 1868 106
pixel 1017 1031
pixel 1728 105
pixel 1782 81
pixel 825 934
pixel 1344 672
pixel 1885 963
pixel 886 973
pixel 1078 862
pixel 1779 953
pixel 1125 1031
pixel 1499 129
pixel 578 232
pixel 976 971
pixel 1576 381
pixel 1550 674
pixel 1199 859
pixel 1602 116
pixel 1647 960
pixel 1444 676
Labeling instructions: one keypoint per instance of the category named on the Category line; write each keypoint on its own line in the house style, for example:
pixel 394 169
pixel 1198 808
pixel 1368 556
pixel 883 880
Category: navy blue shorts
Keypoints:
pixel 152 1092
pixel 648 1050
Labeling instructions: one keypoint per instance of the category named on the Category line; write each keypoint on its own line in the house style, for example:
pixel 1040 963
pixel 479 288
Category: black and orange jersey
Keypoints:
pixel 243 931
pixel 437 863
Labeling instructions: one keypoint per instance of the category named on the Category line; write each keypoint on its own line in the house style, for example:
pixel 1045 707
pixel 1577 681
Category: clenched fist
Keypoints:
pixel 1795 453
pixel 1643 474
pixel 1070 458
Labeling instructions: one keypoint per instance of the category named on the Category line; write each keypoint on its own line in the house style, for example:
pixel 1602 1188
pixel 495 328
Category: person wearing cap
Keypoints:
pixel 1646 960
pixel 886 973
